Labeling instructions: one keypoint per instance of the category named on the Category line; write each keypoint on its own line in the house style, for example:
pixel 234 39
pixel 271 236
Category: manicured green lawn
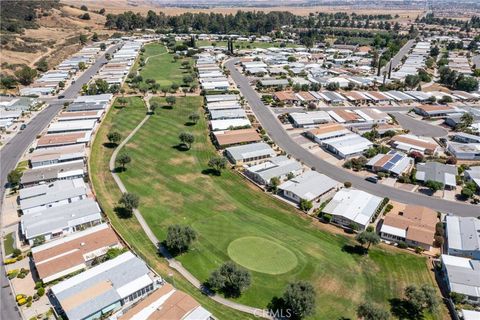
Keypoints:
pixel 244 44
pixel 262 255
pixel 161 66
pixel 107 193
pixel 8 243
pixel 173 190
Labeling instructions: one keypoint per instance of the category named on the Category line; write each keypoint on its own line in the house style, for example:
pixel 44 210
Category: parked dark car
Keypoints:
pixel 372 179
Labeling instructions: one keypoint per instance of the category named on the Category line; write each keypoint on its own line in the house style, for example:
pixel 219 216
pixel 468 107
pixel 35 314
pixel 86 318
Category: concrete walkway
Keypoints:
pixel 172 262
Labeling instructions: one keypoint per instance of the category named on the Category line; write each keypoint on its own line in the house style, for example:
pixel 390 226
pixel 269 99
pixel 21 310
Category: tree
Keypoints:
pixel 14 177
pixel 122 101
pixel 369 311
pixel 412 80
pixel 174 87
pixel 83 39
pixel 187 139
pixel 84 8
pixel 153 106
pixel 434 185
pixel 194 117
pixel 273 184
pixel 42 65
pixel 103 46
pixel 26 75
pixel 305 205
pixel 143 87
pixel 417 156
pixel 86 16
pixel 299 298
pixel 129 201
pixel 81 66
pixel 123 159
pixel 445 99
pixel 420 299
pixel 102 11
pixel 187 79
pixel 171 100
pixel 466 120
pixel 179 238
pixel 7 81
pixel 217 164
pixel 435 51
pixel 95 37
pixel 114 137
pixel 467 84
pixel 369 238
pixel 230 279
pixel 469 189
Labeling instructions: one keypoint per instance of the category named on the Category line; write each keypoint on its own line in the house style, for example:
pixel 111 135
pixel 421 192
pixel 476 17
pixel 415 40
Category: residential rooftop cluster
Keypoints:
pixel 75 254
pixel 65 73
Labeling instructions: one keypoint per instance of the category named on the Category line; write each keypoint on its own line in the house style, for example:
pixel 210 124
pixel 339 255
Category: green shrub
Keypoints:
pixel 16 253
pixel 41 292
pixel 419 250
pixel 402 245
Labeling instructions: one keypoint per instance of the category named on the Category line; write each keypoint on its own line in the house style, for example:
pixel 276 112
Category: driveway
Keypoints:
pixel 274 128
pixel 419 127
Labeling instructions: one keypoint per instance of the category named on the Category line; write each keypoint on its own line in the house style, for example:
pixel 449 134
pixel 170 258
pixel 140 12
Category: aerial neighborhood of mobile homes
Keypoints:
pixel 76 255
pixel 333 132
pixel 332 107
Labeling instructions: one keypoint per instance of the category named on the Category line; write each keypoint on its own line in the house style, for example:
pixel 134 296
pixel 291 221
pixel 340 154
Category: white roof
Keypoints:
pixel 309 185
pixel 349 144
pixel 354 205
pixel 229 123
pixel 470 315
pixel 75 125
pixel 402 233
pixel 310 118
pixel 250 150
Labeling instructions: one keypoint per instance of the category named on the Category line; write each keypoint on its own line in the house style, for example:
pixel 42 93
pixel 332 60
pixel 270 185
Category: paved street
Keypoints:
pixel 11 153
pixel 397 59
pixel 279 135
pixel 387 109
pixel 418 127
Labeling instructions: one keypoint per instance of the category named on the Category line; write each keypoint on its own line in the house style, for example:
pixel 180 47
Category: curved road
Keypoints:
pixel 172 262
pixel 11 153
pixel 274 128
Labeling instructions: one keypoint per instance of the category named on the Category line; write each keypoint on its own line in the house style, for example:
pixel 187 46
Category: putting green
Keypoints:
pixel 262 255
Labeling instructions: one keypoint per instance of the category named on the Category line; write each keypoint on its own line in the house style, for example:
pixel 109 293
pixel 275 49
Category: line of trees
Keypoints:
pixel 241 22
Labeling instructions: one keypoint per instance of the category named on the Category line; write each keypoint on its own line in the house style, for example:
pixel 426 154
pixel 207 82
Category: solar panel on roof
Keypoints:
pixel 396 158
pixel 388 165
